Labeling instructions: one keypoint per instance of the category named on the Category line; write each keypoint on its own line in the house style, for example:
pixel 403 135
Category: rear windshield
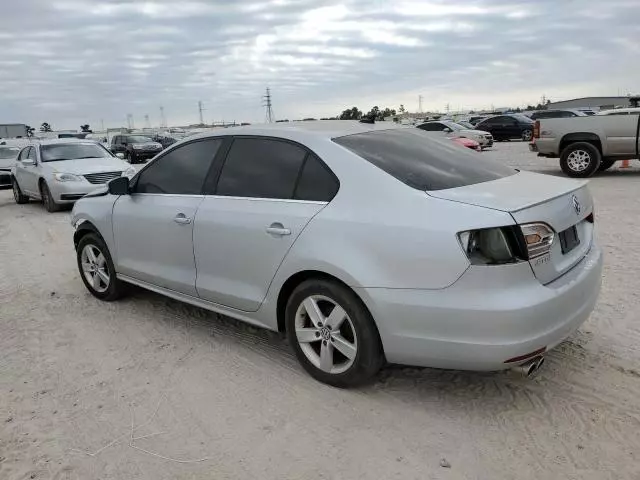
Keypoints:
pixel 422 162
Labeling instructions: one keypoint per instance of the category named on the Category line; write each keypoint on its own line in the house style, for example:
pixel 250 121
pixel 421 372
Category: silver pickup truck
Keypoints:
pixel 587 144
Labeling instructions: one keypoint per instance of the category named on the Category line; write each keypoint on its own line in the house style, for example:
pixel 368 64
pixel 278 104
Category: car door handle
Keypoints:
pixel 182 219
pixel 278 229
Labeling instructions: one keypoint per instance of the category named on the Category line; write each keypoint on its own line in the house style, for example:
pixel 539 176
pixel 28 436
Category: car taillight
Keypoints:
pixel 536 129
pixel 591 218
pixel 538 238
pixel 493 246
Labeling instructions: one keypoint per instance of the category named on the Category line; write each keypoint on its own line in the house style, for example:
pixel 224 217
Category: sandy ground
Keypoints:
pixel 90 390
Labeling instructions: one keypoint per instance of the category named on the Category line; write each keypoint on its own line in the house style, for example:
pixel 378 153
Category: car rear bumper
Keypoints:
pixel 491 314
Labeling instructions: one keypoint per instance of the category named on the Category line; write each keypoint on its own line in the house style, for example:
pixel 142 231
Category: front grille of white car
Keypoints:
pixel 103 177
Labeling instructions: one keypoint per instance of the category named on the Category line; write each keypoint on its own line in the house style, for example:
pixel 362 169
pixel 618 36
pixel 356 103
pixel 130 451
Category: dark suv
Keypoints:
pixel 135 148
pixel 507 127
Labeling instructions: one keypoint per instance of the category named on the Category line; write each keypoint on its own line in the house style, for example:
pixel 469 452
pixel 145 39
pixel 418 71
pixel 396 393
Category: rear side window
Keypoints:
pixel 316 182
pixel 421 161
pixel 261 168
pixel 431 127
pixel 182 171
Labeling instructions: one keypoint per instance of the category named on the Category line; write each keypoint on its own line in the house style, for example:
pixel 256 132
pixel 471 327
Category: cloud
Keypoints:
pixel 70 62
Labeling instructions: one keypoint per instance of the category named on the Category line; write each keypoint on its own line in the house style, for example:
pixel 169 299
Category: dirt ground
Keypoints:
pixel 148 388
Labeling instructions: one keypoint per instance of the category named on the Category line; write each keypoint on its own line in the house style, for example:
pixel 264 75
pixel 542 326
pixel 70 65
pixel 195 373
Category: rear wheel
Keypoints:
pixel 97 270
pixel 580 160
pixel 606 164
pixel 128 156
pixel 17 193
pixel 333 334
pixel 527 135
pixel 47 199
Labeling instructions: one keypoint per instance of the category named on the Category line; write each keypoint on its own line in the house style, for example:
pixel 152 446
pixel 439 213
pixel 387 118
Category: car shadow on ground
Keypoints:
pixel 414 384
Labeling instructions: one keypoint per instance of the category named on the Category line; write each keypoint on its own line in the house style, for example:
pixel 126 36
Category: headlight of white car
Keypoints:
pixel 67 177
pixel 129 172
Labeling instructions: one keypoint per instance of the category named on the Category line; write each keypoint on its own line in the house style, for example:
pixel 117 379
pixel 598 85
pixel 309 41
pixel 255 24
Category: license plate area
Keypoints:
pixel 569 239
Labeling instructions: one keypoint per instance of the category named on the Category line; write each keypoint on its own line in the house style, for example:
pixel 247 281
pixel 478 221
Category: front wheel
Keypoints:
pixel 527 135
pixel 128 156
pixel 97 270
pixel 333 334
pixel 17 193
pixel 47 199
pixel 580 160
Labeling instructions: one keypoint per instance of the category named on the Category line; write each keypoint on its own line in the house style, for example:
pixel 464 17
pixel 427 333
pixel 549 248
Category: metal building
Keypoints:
pixel 595 103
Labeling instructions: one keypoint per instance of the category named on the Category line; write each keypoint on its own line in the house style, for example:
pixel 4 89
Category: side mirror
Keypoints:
pixel 120 155
pixel 119 186
pixel 27 161
pixel 447 130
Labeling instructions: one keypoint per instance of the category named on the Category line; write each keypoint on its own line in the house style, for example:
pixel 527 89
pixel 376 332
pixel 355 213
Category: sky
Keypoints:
pixel 70 62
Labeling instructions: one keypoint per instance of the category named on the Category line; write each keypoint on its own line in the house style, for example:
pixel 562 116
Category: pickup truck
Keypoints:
pixel 587 144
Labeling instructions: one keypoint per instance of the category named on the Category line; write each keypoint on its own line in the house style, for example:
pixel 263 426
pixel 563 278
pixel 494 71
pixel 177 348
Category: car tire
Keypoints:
pixel 580 160
pixel 17 193
pixel 129 158
pixel 344 349
pixel 47 199
pixel 606 164
pixel 97 270
pixel 527 135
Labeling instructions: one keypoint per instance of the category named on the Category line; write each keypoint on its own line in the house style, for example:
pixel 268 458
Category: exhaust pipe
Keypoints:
pixel 529 367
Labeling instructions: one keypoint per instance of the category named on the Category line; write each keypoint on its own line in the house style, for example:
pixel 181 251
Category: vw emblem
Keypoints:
pixel 576 204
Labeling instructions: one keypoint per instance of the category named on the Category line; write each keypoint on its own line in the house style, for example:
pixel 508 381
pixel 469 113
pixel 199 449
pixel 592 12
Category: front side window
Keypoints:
pixel 421 161
pixel 261 168
pixel 32 154
pixel 181 171
pixel 72 151
pixel 432 127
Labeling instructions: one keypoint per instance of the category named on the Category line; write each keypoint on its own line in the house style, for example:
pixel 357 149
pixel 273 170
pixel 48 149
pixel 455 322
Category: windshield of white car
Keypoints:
pixel 72 151
pixel 423 161
pixel 8 152
pixel 453 125
pixel 467 125
pixel 139 140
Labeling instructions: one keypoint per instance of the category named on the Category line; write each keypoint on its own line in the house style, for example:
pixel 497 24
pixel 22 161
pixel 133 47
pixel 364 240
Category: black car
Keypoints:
pixel 507 127
pixel 164 140
pixel 135 148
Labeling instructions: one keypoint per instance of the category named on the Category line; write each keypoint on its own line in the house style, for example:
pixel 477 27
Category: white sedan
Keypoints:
pixel 62 171
pixel 364 243
pixel 454 130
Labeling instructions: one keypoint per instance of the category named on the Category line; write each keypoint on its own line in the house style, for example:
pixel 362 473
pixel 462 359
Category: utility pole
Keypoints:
pixel 419 103
pixel 147 124
pixel 447 108
pixel 130 121
pixel 268 117
pixel 200 110
pixel 163 120
pixel 102 124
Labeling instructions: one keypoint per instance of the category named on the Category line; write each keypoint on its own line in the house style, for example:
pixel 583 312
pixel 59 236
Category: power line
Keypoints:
pixel 268 117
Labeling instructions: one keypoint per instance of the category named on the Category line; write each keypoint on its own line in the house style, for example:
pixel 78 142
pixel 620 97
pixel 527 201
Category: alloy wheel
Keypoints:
pixel 578 160
pixel 16 193
pixel 326 334
pixel 94 268
pixel 526 135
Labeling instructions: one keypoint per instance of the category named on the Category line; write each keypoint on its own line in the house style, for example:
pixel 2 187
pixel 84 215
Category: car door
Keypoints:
pixel 27 172
pixel 252 215
pixel 153 225
pixel 493 126
pixel 511 127
pixel 117 146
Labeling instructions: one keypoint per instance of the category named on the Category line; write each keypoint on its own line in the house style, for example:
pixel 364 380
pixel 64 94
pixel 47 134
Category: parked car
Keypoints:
pixel 587 144
pixel 452 130
pixel 507 127
pixel 164 140
pixel 463 263
pixel 569 113
pixel 8 156
pixel 476 119
pixel 135 148
pixel 62 171
pixel 468 143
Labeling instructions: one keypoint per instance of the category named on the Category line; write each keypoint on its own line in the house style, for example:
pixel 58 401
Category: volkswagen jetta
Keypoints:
pixel 364 243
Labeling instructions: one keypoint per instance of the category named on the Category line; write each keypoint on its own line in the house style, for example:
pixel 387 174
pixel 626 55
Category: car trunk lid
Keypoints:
pixel 565 205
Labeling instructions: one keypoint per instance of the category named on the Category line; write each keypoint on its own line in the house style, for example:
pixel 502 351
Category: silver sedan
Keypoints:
pixel 59 172
pixel 363 243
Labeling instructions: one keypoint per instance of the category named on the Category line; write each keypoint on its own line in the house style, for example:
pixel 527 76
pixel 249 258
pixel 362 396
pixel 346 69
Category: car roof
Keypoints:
pixel 318 128
pixel 619 110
